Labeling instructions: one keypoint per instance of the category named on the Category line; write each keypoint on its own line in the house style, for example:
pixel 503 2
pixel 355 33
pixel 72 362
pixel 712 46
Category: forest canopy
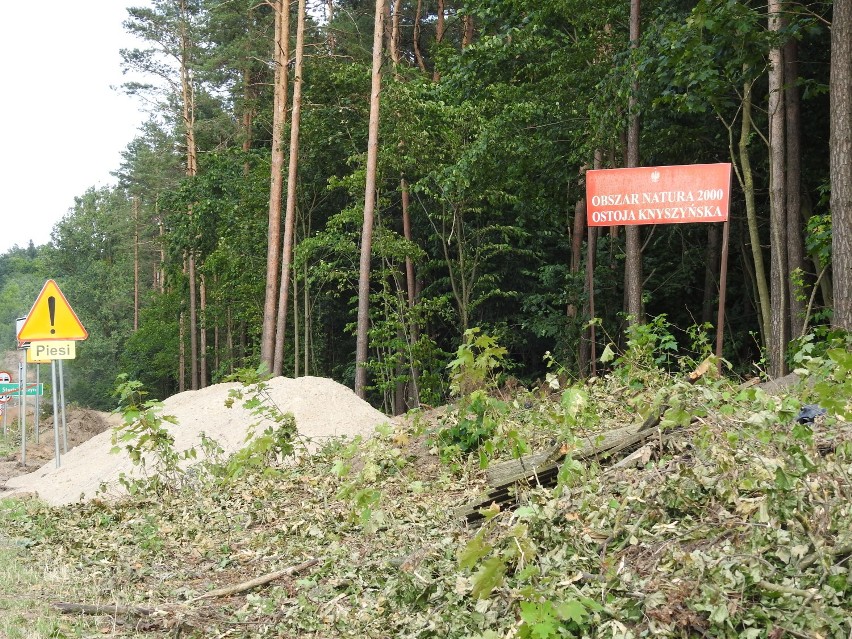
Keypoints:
pixel 346 189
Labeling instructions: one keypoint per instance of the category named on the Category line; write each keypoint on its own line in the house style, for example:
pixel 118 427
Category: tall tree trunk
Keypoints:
pixel 229 340
pixel 248 115
pixel 292 175
pixel 181 352
pixel 467 35
pixel 279 118
pixel 202 363
pixel 330 40
pixel 747 183
pixel 578 230
pixel 779 329
pixel 440 27
pixel 193 322
pixel 188 109
pixel 135 264
pixel 587 341
pixel 795 239
pixel 633 238
pixel 410 287
pixel 840 155
pixel 296 351
pixel 217 353
pixel 307 323
pixel 161 231
pixel 418 55
pixel 361 339
pixel 395 35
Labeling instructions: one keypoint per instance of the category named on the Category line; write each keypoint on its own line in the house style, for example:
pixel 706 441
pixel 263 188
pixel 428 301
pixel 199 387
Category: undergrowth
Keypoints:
pixel 733 521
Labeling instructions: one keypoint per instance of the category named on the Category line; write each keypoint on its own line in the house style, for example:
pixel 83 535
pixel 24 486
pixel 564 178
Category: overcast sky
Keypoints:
pixel 62 128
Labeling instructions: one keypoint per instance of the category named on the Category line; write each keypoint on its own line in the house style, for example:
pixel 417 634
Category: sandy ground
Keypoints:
pixel 322 408
pixel 81 423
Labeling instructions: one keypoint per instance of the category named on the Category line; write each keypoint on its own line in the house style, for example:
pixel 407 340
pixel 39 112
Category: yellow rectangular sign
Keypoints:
pixel 50 350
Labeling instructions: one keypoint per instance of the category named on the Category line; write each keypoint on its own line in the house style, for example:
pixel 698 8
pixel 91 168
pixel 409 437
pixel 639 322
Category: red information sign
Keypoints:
pixel 658 194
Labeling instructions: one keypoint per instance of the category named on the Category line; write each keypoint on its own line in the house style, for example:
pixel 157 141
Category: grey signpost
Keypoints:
pixel 62 402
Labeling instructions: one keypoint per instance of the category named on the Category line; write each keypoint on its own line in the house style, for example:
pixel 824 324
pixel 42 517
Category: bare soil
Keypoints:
pixel 82 424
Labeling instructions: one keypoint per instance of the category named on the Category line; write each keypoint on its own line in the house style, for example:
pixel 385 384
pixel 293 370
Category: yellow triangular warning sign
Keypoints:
pixel 51 317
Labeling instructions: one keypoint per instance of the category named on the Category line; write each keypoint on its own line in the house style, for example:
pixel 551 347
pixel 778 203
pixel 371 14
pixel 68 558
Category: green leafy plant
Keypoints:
pixel 145 437
pixel 279 434
pixel 546 619
pixel 649 345
pixel 478 360
pixel 477 422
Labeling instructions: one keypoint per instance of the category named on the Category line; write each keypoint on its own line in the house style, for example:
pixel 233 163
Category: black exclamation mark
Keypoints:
pixel 51 308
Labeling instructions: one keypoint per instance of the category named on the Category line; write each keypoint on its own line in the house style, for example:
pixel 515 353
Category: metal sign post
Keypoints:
pixel 38 383
pixel 62 402
pixel 5 378
pixel 22 414
pixel 55 413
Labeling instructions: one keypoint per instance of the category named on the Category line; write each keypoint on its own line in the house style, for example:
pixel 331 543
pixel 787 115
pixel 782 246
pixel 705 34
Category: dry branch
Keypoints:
pixel 112 609
pixel 140 611
pixel 257 581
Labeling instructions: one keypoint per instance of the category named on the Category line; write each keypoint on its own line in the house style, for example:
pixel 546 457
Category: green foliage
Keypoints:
pixel 478 360
pixel 144 436
pixel 650 346
pixel 493 156
pixel 474 424
pixel 546 619
pixel 737 504
pixel 478 421
pixel 827 361
pixel 278 439
pixel 818 237
pixel 22 274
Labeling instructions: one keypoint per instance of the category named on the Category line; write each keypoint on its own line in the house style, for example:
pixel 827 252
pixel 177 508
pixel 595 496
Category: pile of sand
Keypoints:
pixel 322 408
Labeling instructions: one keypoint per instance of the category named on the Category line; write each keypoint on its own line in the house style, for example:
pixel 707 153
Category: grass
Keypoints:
pixel 23 612
pixel 27 591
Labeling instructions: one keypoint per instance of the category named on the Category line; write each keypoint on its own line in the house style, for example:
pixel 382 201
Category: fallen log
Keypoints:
pixel 542 469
